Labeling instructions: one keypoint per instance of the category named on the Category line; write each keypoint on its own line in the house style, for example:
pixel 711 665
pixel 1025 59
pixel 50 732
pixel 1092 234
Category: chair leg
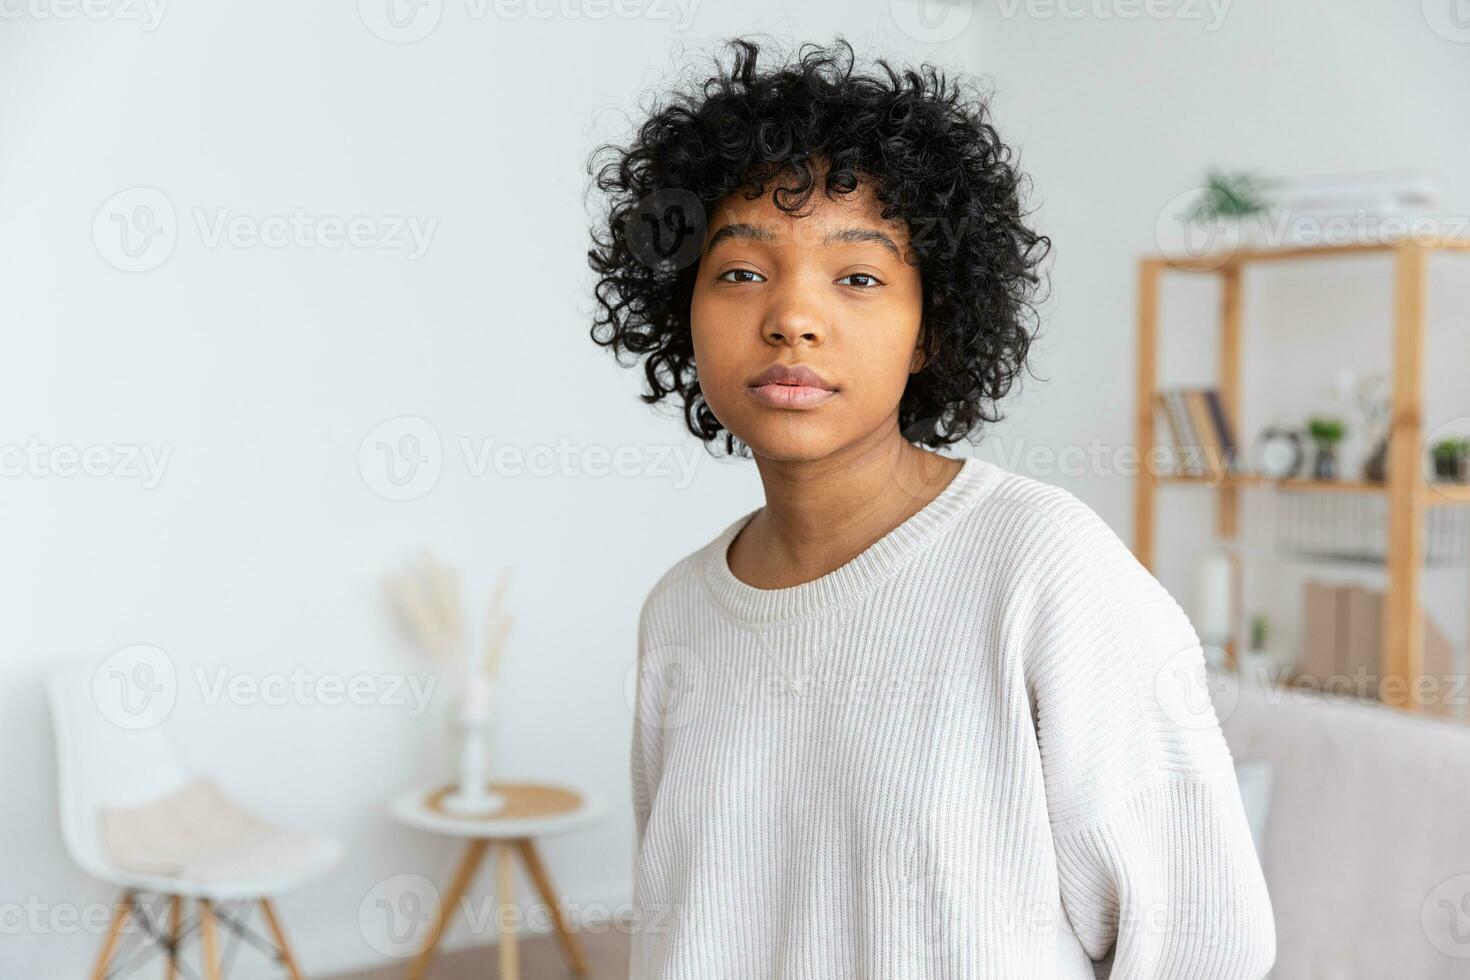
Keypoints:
pixel 207 935
pixel 287 960
pixel 120 914
pixel 568 939
pixel 175 930
pixel 468 865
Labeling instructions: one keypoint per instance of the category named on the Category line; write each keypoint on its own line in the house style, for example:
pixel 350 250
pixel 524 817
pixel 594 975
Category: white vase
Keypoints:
pixel 471 795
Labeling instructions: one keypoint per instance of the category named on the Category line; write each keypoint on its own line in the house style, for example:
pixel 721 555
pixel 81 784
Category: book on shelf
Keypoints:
pixel 1203 434
pixel 1342 645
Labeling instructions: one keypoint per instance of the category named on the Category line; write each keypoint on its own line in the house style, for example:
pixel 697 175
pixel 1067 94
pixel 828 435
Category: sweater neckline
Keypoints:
pixel 754 605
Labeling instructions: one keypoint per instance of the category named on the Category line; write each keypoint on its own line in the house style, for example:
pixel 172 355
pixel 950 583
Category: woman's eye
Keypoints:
pixel 872 280
pixel 740 272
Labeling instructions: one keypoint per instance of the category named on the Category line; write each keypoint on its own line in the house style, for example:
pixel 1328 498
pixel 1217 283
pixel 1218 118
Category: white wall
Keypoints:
pixel 261 370
pixel 1118 114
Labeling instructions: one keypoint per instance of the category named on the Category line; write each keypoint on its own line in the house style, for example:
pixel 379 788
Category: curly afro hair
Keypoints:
pixel 933 159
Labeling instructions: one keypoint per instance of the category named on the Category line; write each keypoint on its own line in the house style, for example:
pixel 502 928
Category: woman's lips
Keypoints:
pixel 790 396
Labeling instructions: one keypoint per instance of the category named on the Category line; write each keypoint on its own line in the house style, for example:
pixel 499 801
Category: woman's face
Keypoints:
pixel 828 292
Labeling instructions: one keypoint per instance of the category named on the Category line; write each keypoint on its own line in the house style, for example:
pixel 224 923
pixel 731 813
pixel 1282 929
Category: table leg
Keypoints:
pixel 208 944
pixel 568 939
pixel 510 967
pixel 465 873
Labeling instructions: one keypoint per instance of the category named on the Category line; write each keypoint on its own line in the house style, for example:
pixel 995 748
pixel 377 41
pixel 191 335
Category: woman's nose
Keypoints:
pixel 795 319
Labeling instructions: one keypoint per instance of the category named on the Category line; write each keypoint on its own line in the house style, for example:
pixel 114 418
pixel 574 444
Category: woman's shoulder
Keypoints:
pixel 1072 570
pixel 1027 518
pixel 682 582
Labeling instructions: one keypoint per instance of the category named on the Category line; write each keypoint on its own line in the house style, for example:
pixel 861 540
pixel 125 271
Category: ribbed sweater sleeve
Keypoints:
pixel 640 742
pixel 1153 849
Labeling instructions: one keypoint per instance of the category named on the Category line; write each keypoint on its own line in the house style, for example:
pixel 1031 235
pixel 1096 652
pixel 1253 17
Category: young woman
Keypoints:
pixel 916 716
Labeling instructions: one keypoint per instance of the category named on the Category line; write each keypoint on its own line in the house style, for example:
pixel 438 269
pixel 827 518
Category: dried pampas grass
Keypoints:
pixel 426 599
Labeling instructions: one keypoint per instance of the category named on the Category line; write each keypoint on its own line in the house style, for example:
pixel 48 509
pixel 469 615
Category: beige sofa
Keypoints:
pixel 1367 840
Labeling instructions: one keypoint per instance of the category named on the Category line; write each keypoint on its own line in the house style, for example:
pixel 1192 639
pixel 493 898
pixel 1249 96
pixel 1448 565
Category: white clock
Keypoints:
pixel 1278 454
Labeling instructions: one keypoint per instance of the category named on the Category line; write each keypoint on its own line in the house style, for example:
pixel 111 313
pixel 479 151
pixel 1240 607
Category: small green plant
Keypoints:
pixel 1452 449
pixel 1230 195
pixel 1259 630
pixel 1326 431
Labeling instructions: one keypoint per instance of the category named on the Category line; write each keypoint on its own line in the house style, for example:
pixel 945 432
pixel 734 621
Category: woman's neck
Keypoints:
pixel 820 514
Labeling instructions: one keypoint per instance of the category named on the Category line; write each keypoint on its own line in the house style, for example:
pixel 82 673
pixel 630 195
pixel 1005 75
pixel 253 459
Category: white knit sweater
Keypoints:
pixel 981 748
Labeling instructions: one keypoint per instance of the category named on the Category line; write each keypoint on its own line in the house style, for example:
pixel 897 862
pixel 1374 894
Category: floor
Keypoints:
pixel 541 959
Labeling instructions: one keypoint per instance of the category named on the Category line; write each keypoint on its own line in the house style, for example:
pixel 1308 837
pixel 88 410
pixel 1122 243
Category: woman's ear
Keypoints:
pixel 918 360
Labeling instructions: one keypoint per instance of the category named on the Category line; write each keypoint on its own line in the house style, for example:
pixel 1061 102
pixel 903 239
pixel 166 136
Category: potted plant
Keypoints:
pixel 1326 433
pixel 1452 459
pixel 1232 206
pixel 1257 664
pixel 1227 195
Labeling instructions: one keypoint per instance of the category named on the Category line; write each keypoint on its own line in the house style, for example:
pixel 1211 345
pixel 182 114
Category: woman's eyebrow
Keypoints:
pixel 738 230
pixel 859 235
pixel 749 232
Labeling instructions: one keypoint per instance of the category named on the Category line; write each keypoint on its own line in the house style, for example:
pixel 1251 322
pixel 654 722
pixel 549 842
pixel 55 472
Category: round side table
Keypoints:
pixel 531 810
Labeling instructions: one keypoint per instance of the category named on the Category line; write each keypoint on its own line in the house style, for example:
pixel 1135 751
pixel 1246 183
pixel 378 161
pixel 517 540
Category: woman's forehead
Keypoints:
pixel 818 221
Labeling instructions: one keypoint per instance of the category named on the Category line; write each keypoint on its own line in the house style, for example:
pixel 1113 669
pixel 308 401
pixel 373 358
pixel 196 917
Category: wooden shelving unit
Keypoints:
pixel 1441 494
pixel 1409 494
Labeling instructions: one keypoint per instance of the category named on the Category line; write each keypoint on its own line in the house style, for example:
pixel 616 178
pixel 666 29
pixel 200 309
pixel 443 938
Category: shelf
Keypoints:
pixel 1409 516
pixel 1435 494
pixel 1246 256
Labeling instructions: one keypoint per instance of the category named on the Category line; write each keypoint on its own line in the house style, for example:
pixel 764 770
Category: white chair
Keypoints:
pixel 104 765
